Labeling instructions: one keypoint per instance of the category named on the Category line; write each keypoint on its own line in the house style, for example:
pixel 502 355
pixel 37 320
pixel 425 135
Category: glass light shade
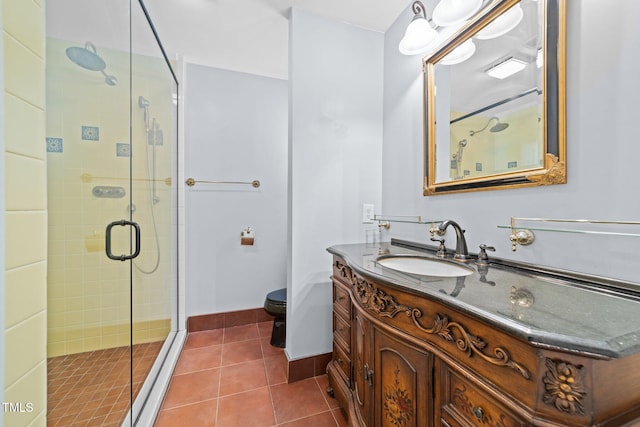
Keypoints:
pixel 460 54
pixel 449 12
pixel 418 37
pixel 502 24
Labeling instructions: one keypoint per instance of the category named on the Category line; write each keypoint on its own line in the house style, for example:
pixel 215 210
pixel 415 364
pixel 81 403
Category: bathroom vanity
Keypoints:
pixel 489 345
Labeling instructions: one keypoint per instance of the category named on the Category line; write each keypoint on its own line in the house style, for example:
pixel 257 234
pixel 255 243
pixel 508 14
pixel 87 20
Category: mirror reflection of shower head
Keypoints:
pixel 498 127
pixel 143 102
pixel 87 57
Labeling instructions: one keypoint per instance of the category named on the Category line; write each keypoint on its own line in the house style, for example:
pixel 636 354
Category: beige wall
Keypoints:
pixel 25 313
pixel 496 150
pixel 88 301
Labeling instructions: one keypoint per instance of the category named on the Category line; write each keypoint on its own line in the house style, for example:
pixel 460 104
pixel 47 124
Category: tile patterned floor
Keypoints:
pixel 93 388
pixel 233 377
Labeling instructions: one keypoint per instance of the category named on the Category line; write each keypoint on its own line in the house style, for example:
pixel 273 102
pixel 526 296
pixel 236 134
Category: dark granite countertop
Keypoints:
pixel 567 313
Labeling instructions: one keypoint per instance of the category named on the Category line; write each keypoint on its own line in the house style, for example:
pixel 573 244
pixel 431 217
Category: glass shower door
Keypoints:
pixel 154 203
pixel 88 175
pixel 111 159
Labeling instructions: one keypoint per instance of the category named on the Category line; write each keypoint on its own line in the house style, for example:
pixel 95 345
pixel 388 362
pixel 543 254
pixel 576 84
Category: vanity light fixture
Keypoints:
pixel 419 36
pixel 506 68
pixel 450 12
pixel 502 24
pixel 460 54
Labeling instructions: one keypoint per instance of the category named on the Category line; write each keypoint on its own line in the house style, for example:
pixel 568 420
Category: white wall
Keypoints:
pixel 335 141
pixel 602 142
pixel 235 130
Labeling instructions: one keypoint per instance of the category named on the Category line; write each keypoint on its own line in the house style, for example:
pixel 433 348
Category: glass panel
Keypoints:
pixel 153 156
pixel 87 89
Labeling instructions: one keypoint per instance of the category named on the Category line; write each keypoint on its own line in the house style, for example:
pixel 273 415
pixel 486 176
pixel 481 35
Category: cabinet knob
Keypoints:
pixel 478 412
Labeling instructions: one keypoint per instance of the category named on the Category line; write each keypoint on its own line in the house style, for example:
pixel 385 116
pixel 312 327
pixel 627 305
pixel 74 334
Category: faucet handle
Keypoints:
pixel 442 250
pixel 482 256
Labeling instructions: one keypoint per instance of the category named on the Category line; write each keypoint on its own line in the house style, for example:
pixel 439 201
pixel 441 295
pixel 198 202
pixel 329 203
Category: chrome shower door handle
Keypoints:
pixel 123 223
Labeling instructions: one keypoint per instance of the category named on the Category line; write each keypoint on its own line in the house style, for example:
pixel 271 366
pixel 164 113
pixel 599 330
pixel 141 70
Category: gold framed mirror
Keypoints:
pixel 494 101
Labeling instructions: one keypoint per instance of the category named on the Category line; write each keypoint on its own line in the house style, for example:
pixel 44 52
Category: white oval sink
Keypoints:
pixel 424 266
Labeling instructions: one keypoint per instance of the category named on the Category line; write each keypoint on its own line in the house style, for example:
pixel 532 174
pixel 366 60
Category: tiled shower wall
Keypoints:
pixel 25 369
pixel 88 145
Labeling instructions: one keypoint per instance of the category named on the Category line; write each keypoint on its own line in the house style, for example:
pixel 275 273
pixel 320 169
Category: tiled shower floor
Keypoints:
pixel 92 389
pixel 233 377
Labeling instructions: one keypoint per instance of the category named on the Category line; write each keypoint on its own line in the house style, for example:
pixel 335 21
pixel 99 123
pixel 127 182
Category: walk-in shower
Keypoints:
pixel 111 169
pixel 87 57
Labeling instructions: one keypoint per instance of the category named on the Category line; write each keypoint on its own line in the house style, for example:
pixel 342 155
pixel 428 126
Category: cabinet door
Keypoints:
pixel 363 382
pixel 403 383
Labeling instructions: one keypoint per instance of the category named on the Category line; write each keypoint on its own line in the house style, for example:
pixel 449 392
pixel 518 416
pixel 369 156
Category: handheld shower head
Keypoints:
pixel 143 102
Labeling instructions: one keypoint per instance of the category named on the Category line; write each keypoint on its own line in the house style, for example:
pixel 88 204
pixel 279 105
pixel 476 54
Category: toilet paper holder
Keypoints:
pixel 247 236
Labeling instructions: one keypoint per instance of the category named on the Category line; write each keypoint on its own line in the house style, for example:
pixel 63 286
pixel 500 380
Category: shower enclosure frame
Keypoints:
pixel 170 279
pixel 144 410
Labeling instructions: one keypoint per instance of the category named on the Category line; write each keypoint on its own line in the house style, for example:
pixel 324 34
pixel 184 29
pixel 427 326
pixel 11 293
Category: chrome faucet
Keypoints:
pixel 462 253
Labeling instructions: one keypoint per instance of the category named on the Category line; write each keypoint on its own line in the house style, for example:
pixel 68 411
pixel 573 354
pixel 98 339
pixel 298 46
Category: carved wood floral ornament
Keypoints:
pixel 564 387
pixel 378 302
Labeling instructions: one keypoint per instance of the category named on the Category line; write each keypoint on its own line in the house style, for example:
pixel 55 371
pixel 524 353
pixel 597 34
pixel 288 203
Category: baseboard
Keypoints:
pixel 297 370
pixel 308 367
pixel 207 322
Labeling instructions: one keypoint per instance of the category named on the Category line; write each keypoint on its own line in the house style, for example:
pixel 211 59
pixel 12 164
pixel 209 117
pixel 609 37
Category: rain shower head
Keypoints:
pixel 87 57
pixel 498 127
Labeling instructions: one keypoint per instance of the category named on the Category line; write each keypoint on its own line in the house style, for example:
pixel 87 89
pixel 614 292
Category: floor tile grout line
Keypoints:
pixel 307 416
pixel 182 405
pixel 323 392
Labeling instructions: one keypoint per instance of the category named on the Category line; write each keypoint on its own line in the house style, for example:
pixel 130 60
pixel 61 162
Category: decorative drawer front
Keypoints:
pixel 341 299
pixel 464 403
pixel 342 332
pixel 343 362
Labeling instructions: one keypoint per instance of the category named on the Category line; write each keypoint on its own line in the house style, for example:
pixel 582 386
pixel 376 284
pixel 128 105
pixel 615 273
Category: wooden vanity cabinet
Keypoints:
pixel 392 378
pixel 403 360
